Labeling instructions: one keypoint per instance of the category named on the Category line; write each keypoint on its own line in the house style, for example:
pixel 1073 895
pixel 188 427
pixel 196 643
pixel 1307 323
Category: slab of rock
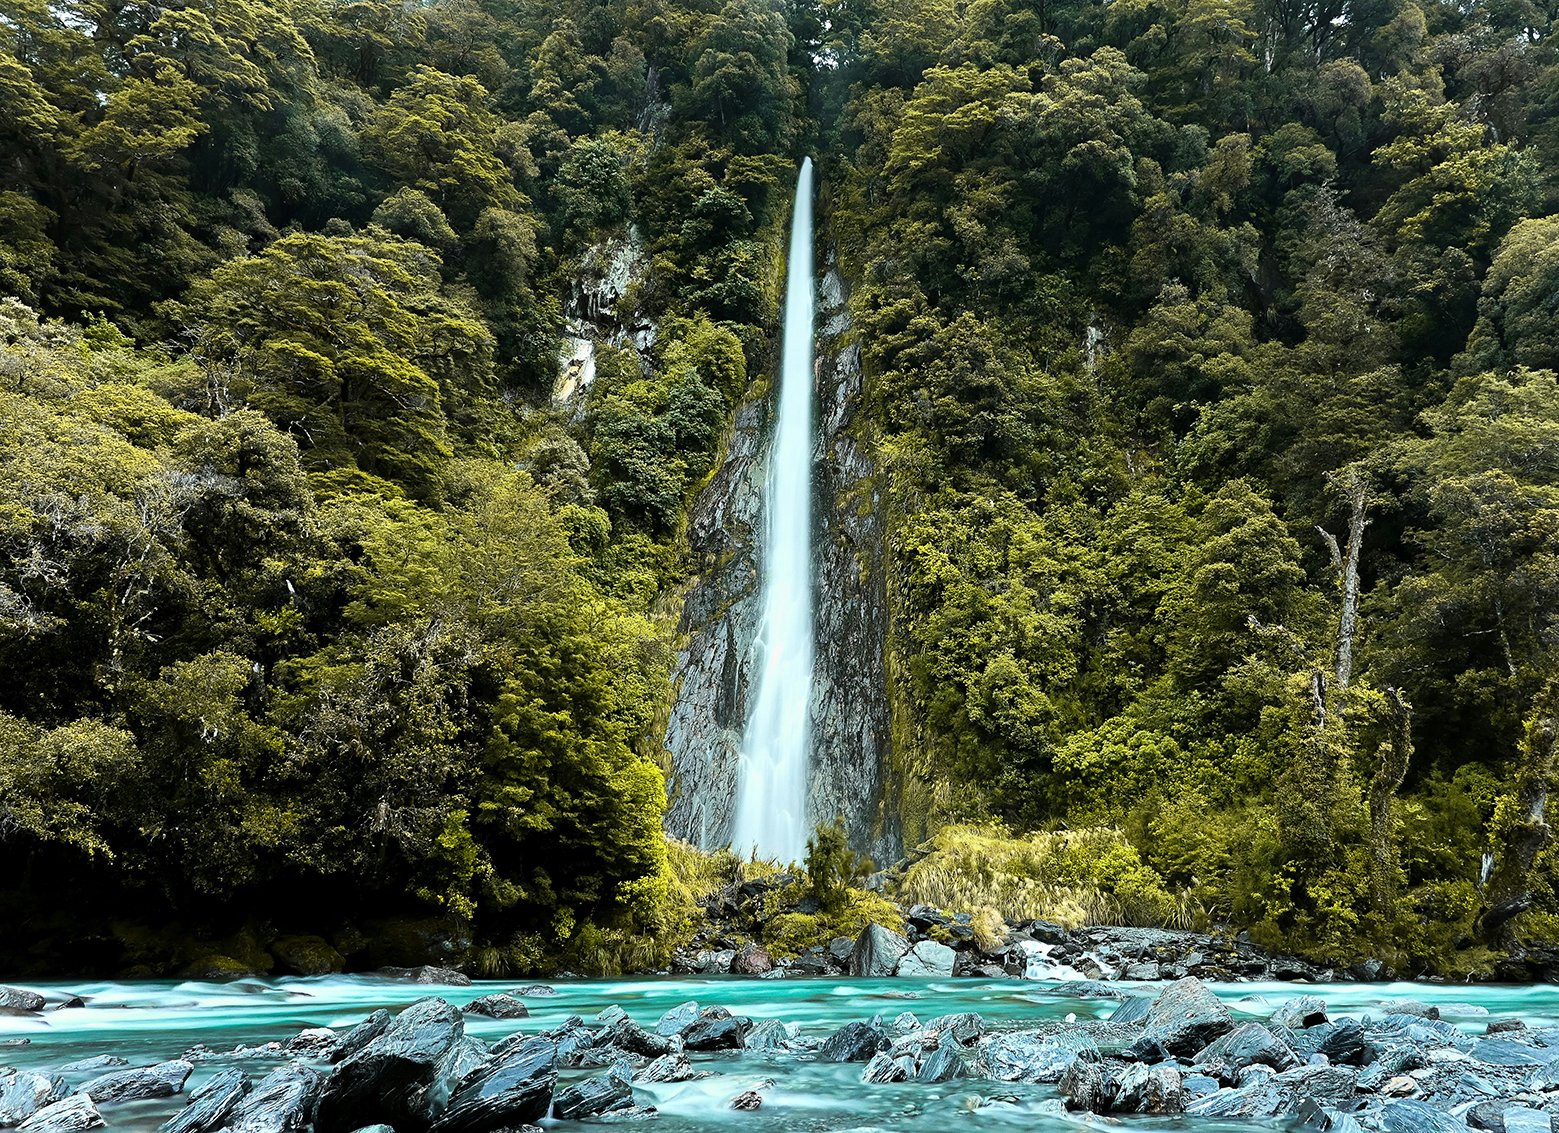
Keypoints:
pixel 23 1094
pixel 1411 1116
pixel 884 1067
pixel 160 1081
pixel 927 959
pixel 535 991
pixel 748 1100
pixel 678 1019
pixel 361 1035
pixel 210 1106
pixel 426 974
pixel 497 1007
pixel 1248 1044
pixel 707 1033
pixel 964 1028
pixel 1026 1056
pixel 627 1035
pixel 1132 1009
pixel 853 1042
pixel 941 1065
pixel 769 1036
pixel 877 952
pixel 1300 1012
pixel 281 1102
pixel 596 1096
pixel 20 999
pixel 1520 1119
pixel 517 1090
pixel 93 1064
pixel 69 1115
pixel 401 1077
pixel 1183 1019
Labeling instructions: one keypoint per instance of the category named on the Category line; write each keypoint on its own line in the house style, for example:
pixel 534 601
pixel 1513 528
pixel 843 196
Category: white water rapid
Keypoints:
pixel 771 785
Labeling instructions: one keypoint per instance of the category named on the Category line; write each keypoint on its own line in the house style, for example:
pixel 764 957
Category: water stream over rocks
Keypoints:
pixel 1009 1054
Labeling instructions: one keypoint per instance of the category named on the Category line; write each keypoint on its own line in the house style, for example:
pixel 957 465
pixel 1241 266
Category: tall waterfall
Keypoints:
pixel 771 788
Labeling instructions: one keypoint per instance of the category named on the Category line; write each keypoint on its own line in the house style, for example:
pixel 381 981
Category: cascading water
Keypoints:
pixel 771 786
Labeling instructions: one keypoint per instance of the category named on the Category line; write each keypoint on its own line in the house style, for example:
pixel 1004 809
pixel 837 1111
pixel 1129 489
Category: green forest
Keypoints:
pixel 1210 353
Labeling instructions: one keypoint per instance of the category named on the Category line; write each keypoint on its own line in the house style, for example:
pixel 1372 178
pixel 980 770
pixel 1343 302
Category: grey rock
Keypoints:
pixel 1148 1090
pixel 211 1104
pixel 20 999
pixel 627 1035
pixel 497 1007
pixel 751 960
pixel 594 1096
pixel 401 1077
pixel 1389 1063
pixel 927 959
pixel 515 1090
pixel 426 974
pixel 23 1094
pixel 160 1081
pixel 964 1028
pixel 535 991
pixel 281 1102
pixel 361 1035
pixel 1082 1086
pixel 1343 1042
pixel 1411 1116
pixel 1184 1018
pixel 1246 1045
pixel 1025 1056
pixel 747 1100
pixel 877 952
pixel 1509 1052
pixel 883 1067
pixel 669 1068
pixel 1301 1011
pixel 729 1033
pixel 1132 1009
pixel 853 1042
pixel 1520 1119
pixel 769 1036
pixel 96 1062
pixel 940 1065
pixel 678 1019
pixel 69 1115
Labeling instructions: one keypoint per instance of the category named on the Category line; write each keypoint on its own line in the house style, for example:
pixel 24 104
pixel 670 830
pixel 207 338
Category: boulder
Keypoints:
pixel 281 1102
pixel 1082 1086
pixel 160 1081
pixel 361 1035
pixel 20 999
pixel 678 1019
pixel 400 1078
pixel 95 1063
pixel 669 1068
pixel 1410 1116
pixel 752 960
pixel 747 1100
pixel 927 959
pixel 964 1028
pixel 315 1042
pixel 627 1035
pixel 1389 1064
pixel 1140 1088
pixel 69 1115
pixel 1343 1043
pixel 1248 1044
pixel 516 1090
pixel 1132 1009
pixel 716 1033
pixel 1183 1019
pixel 535 991
pixel 853 1042
pixel 1024 1056
pixel 601 1094
pixel 497 1007
pixel 884 1067
pixel 1520 1119
pixel 1301 1011
pixel 771 1036
pixel 940 1065
pixel 23 1094
pixel 306 956
pixel 426 974
pixel 877 952
pixel 211 1105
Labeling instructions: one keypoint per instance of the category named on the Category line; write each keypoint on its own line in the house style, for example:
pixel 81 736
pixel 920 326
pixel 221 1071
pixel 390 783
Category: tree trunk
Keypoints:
pixel 1345 560
pixel 1507 895
pixel 1390 769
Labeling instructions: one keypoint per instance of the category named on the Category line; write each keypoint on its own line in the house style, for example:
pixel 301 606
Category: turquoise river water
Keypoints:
pixel 151 1021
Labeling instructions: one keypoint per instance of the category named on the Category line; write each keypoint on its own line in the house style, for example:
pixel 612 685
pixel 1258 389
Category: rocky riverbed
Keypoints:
pixel 504 1059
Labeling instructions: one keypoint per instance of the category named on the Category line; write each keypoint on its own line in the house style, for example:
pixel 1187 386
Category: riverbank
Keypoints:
pixel 902 1055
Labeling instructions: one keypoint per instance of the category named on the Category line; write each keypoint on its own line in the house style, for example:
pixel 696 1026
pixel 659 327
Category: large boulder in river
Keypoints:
pixel 20 999
pixel 877 952
pixel 717 1032
pixel 426 974
pixel 928 958
pixel 752 960
pixel 1249 1044
pixel 401 1077
pixel 497 1007
pixel 23 1094
pixel 853 1042
pixel 210 1106
pixel 605 1093
pixel 514 1091
pixel 160 1081
pixel 74 1114
pixel 1183 1019
pixel 281 1102
pixel 361 1035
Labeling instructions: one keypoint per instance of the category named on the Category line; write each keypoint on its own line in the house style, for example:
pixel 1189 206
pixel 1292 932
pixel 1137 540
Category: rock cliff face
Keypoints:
pixel 713 668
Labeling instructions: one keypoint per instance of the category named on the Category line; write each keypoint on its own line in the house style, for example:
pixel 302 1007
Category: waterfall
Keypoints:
pixel 771 787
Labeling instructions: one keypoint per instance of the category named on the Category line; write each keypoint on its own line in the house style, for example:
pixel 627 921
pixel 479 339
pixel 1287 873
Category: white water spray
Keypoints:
pixel 771 785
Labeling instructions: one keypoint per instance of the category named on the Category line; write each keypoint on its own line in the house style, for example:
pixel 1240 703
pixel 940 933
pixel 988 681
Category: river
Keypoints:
pixel 151 1021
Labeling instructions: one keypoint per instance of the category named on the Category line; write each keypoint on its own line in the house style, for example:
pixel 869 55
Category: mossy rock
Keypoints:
pixel 215 966
pixel 408 942
pixel 306 956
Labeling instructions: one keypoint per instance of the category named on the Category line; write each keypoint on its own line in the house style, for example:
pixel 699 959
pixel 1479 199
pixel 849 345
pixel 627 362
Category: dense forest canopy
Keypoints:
pixel 1210 356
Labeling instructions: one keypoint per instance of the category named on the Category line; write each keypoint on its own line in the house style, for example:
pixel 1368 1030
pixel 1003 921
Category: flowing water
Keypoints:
pixel 147 1022
pixel 771 786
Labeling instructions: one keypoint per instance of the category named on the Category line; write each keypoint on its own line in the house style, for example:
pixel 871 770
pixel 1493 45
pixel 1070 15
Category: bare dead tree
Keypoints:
pixel 1353 485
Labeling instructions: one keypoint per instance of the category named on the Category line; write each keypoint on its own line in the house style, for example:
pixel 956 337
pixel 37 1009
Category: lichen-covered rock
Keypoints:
pixel 927 959
pixel 1144 1089
pixel 752 960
